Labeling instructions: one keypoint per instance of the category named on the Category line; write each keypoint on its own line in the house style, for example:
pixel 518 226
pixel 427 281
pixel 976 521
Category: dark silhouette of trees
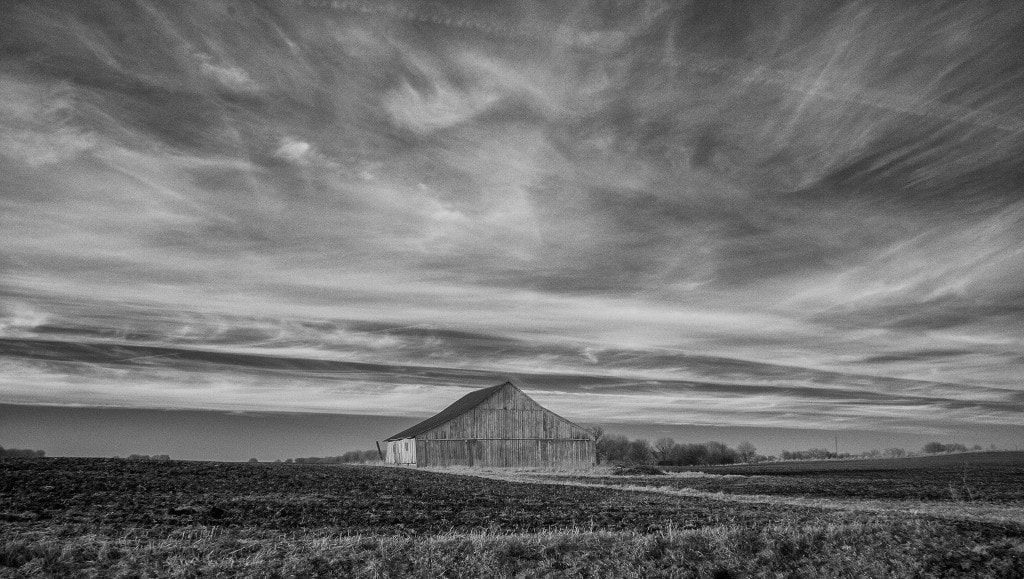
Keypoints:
pixel 719 453
pixel 747 451
pixel 20 453
pixel 352 456
pixel 616 448
pixel 640 452
pixel 612 448
pixel 663 448
pixel 811 454
pixel 936 447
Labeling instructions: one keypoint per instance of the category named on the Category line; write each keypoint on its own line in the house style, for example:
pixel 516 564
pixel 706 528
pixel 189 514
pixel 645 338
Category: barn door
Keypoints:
pixel 470 450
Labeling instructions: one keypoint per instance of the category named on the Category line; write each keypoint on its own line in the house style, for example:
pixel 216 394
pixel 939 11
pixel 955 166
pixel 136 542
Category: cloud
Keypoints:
pixel 799 202
pixel 37 129
pixel 443 107
pixel 230 77
pixel 294 150
pixel 18 316
pixel 48 372
pixel 923 355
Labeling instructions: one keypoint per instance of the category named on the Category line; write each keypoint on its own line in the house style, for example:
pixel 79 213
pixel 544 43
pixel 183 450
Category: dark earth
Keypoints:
pixel 47 504
pixel 996 477
pixel 115 493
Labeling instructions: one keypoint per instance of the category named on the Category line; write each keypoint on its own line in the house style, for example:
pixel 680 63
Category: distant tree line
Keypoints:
pixel 20 453
pixel 937 447
pixel 352 456
pixel 616 448
pixel 809 454
pixel 887 453
pixel 824 454
pixel 929 448
pixel 160 457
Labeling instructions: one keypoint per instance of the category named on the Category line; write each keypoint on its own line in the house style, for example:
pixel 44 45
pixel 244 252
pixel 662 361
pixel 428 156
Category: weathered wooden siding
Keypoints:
pixel 401 451
pixel 534 452
pixel 509 414
pixel 508 429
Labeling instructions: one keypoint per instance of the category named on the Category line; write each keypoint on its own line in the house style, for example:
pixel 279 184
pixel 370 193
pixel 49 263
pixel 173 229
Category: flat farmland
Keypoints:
pixel 106 517
pixel 118 494
pixel 994 477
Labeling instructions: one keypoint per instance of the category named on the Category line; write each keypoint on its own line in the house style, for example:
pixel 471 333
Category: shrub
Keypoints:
pixel 747 451
pixel 937 447
pixel 640 452
pixel 639 469
pixel 811 454
pixel 612 448
pixel 20 453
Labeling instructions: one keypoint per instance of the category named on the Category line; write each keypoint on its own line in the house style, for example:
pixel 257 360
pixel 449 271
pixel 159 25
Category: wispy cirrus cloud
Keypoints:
pixel 829 193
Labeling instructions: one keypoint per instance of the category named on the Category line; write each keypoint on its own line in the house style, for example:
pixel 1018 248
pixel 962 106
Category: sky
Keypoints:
pixel 769 218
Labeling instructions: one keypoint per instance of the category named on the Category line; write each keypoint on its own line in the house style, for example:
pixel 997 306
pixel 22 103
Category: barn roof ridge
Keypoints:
pixel 460 406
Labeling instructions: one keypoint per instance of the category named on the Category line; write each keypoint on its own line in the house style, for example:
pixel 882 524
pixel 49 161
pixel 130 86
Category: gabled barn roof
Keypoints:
pixel 459 407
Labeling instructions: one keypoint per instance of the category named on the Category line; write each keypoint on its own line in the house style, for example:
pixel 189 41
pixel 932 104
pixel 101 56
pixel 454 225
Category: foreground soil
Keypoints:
pixel 116 494
pixel 113 517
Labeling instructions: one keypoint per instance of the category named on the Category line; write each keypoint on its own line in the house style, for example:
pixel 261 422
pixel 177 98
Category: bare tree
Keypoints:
pixel 612 447
pixel 747 451
pixel 663 449
pixel 639 451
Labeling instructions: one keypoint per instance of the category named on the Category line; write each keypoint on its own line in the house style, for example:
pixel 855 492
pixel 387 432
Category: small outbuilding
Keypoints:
pixel 498 426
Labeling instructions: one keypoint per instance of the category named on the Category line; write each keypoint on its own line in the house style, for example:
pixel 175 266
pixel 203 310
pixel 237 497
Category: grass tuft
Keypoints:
pixel 821 550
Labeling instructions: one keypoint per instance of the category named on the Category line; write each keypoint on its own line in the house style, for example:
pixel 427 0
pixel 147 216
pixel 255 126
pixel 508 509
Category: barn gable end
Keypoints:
pixel 498 426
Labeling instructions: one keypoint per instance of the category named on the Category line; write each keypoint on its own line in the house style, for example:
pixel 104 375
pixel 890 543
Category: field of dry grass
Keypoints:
pixel 95 517
pixel 987 486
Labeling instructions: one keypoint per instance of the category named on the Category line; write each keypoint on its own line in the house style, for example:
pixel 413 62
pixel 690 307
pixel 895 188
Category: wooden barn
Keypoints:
pixel 498 427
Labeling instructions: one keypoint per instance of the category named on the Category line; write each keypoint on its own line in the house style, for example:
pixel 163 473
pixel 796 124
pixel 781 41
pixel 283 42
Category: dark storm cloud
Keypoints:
pixel 762 200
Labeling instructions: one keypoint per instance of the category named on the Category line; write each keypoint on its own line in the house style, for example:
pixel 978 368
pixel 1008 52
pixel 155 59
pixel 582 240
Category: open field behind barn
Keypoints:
pixel 111 517
pixel 984 477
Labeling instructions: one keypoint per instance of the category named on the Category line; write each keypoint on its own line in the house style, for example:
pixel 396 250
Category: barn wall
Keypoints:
pixel 401 451
pixel 536 452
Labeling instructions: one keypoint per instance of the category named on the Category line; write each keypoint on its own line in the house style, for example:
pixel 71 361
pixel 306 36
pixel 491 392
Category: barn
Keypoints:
pixel 498 426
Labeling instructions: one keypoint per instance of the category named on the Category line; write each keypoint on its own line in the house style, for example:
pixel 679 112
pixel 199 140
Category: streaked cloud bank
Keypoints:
pixel 770 214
